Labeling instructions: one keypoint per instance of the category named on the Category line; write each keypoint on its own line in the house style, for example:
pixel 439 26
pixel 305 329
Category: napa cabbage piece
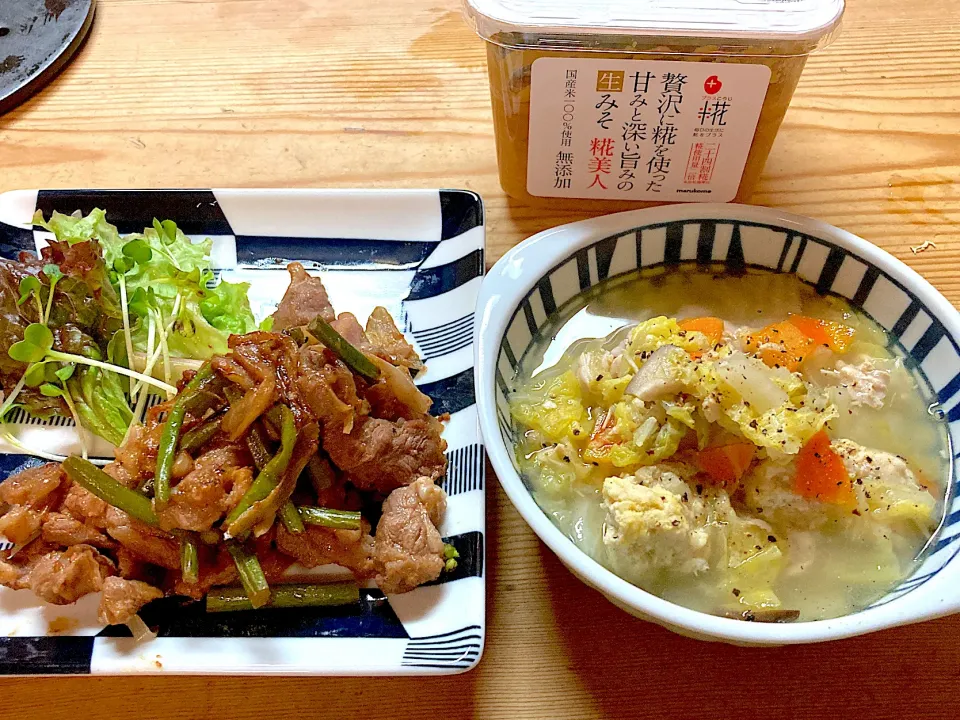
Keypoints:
pixel 790 414
pixel 754 577
pixel 557 469
pixel 553 407
pixel 634 434
pixel 771 407
pixel 656 332
pixel 602 377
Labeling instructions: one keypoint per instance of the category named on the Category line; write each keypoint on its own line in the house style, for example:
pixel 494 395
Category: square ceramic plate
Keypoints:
pixel 418 253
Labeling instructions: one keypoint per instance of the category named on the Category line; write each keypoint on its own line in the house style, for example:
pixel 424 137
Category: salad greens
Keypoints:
pixel 99 317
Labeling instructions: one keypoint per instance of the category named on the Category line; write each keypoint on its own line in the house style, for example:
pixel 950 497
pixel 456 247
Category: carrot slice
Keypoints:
pixel 780 345
pixel 710 326
pixel 821 474
pixel 726 464
pixel 601 439
pixel 827 333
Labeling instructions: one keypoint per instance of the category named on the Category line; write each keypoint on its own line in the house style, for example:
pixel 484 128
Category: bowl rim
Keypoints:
pixel 524 265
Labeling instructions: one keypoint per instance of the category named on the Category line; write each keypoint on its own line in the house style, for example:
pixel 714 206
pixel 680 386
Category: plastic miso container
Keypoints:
pixel 631 103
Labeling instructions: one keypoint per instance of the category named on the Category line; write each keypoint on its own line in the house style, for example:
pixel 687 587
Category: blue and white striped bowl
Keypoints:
pixel 539 276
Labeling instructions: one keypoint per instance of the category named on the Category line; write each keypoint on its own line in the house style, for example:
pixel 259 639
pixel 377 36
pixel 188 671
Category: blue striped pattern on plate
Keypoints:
pixel 928 349
pixel 457 649
pixel 418 253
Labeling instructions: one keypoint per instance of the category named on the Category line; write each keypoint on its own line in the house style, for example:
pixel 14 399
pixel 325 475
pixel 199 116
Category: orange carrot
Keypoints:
pixel 833 335
pixel 710 326
pixel 601 439
pixel 780 345
pixel 821 474
pixel 726 464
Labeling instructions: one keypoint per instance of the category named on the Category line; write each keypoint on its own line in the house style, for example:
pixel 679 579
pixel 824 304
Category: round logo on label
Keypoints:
pixel 712 85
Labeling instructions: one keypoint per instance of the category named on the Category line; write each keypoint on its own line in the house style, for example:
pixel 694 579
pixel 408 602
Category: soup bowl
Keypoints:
pixel 542 275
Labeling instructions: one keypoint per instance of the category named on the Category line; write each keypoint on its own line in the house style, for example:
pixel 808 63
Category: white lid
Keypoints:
pixel 749 19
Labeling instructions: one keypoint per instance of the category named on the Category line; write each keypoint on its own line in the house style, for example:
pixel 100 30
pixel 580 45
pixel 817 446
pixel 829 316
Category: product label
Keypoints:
pixel 641 130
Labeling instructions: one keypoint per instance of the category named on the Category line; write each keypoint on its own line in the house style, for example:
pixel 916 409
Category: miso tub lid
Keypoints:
pixel 806 20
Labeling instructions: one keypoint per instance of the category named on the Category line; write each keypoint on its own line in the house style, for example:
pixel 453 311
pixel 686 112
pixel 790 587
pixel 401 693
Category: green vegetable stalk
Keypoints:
pixel 199 436
pixel 326 517
pixel 285 596
pixel 291 518
pixel 91 478
pixel 169 438
pixel 251 575
pixel 351 356
pixel 189 559
pixel 239 521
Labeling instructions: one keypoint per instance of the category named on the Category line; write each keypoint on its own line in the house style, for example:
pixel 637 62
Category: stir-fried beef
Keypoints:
pixel 218 569
pixel 382 455
pixel 62 529
pixel 303 301
pixel 408 550
pixel 32 486
pixel 233 372
pixel 329 389
pixel 321 546
pixel 352 331
pixel 62 578
pixel 394 396
pixel 153 545
pixel 136 459
pixel 278 422
pixel 20 524
pixel 215 485
pixel 122 599
pixel 270 357
pixel 84 506
pixel 389 343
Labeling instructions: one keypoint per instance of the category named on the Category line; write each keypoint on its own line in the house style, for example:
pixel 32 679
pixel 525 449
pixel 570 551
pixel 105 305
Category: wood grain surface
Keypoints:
pixel 281 93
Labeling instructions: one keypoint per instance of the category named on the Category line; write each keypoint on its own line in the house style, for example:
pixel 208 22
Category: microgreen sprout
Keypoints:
pixel 133 252
pixel 53 275
pixel 37 346
pixel 59 389
pixel 30 287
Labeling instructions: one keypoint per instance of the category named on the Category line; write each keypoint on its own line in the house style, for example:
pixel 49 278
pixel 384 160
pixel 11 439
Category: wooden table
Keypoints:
pixel 262 93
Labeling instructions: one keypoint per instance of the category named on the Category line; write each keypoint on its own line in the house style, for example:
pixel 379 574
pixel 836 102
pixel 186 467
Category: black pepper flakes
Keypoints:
pixel 771 538
pixel 736 592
